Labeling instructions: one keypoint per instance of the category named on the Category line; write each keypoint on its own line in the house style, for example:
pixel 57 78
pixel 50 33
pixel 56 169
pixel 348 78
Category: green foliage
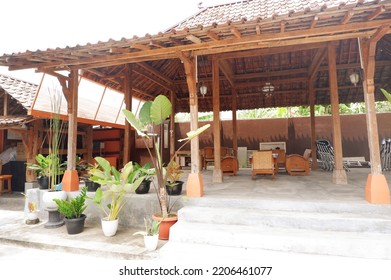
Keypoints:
pixel 73 208
pixel 151 227
pixel 152 114
pixel 386 94
pixel 49 166
pixel 117 183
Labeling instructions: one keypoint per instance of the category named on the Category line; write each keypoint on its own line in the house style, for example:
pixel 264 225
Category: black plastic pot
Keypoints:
pixel 91 186
pixel 75 226
pixel 43 182
pixel 175 189
pixel 144 187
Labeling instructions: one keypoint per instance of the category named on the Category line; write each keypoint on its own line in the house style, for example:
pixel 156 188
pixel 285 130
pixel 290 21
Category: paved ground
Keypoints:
pixel 31 247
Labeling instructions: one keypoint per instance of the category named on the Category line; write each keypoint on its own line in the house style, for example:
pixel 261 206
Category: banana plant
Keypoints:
pixel 153 114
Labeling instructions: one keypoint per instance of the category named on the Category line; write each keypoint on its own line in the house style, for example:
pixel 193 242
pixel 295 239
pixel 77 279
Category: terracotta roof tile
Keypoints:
pixel 10 121
pixel 23 92
pixel 264 9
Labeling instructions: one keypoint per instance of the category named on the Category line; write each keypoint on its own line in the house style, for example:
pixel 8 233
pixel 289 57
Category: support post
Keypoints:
pixel 172 124
pixel 234 121
pixel 217 173
pixel 70 180
pixel 195 186
pixel 376 189
pixel 314 165
pixel 128 105
pixel 339 173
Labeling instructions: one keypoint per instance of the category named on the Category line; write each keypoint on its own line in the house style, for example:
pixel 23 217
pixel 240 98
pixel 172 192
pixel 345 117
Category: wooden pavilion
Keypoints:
pixel 249 54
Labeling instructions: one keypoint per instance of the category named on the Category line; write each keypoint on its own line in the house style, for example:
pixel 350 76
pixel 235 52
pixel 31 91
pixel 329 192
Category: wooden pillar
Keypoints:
pixel 172 124
pixel 128 105
pixel 195 186
pixel 314 165
pixel 376 189
pixel 70 180
pixel 234 121
pixel 339 174
pixel 89 143
pixel 217 173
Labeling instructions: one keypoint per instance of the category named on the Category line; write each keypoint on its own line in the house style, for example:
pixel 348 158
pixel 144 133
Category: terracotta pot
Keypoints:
pixel 165 225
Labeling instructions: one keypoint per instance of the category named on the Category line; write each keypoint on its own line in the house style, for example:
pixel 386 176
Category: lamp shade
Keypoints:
pixel 203 90
pixel 354 78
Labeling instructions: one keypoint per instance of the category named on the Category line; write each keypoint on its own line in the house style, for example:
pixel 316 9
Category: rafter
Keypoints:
pixel 194 39
pixel 236 32
pixel 347 17
pixel 376 13
pixel 226 68
pixel 213 35
pixel 316 61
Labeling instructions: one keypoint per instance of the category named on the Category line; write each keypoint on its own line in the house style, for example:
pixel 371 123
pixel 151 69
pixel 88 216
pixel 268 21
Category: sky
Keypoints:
pixel 41 24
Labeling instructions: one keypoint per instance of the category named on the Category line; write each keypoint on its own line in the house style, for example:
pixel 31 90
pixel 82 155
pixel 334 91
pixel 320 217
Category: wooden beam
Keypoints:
pixel 376 13
pixel 282 26
pixel 217 173
pixel 314 22
pixel 316 61
pixel 339 174
pixel 258 29
pixel 226 68
pixel 235 31
pixel 155 72
pixel 347 17
pixel 213 35
pixel 6 104
pixel 140 47
pixel 194 39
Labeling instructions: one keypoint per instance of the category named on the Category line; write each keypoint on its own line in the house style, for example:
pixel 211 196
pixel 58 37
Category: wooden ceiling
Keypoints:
pixel 281 48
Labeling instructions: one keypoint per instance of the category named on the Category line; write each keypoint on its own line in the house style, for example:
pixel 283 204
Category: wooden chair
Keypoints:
pixel 281 159
pixel 297 164
pixel 4 178
pixel 229 165
pixel 208 156
pixel 263 163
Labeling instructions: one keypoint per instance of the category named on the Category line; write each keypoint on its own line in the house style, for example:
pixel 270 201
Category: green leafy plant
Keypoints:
pixel 153 114
pixel 151 227
pixel 386 94
pixel 174 172
pixel 46 166
pixel 73 208
pixel 116 183
pixel 145 171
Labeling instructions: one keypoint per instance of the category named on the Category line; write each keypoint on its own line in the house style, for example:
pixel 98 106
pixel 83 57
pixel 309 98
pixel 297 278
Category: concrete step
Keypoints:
pixel 92 242
pixel 260 218
pixel 348 244
pixel 290 205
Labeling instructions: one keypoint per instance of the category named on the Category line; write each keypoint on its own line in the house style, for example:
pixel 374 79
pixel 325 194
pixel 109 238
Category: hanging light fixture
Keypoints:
pixel 354 78
pixel 268 88
pixel 203 89
pixel 202 86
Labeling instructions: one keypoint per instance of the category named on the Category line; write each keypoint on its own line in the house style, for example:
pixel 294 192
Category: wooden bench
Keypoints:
pixel 6 178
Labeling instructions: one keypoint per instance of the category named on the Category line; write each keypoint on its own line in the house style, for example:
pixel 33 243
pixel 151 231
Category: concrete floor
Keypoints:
pixel 315 187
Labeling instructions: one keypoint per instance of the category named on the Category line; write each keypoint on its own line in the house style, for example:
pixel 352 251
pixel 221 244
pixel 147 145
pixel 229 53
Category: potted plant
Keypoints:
pixel 44 167
pixel 147 172
pixel 151 234
pixel 91 185
pixel 174 173
pixel 116 185
pixel 31 206
pixel 73 211
pixel 153 114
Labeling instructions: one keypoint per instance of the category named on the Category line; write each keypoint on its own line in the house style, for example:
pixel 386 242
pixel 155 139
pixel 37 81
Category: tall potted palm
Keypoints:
pixel 153 114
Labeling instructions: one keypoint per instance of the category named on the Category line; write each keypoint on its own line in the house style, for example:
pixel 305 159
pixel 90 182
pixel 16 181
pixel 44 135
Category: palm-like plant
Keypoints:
pixel 152 114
